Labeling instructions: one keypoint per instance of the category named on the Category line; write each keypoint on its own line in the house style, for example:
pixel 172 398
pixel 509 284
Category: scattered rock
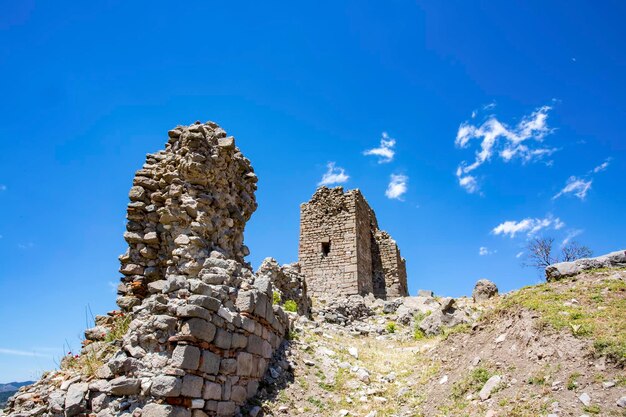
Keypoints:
pixel 491 384
pixel 484 290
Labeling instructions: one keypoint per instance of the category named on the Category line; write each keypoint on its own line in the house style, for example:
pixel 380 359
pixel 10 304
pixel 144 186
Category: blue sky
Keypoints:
pixel 491 122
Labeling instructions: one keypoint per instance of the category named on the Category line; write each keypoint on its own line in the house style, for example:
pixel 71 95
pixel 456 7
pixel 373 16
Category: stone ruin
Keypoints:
pixel 342 252
pixel 202 326
pixel 288 284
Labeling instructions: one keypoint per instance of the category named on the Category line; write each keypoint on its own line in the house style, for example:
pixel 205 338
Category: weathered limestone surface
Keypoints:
pixel 567 269
pixel 202 326
pixel 342 252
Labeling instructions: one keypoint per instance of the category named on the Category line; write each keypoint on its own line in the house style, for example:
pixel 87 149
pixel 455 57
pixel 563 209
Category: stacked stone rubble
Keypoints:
pixel 202 329
pixel 288 283
pixel 342 252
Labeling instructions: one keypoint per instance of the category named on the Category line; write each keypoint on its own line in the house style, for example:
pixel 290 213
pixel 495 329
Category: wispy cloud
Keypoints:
pixel 3 187
pixel 602 167
pixel 397 186
pixel 571 235
pixel 580 186
pixel 577 186
pixel 519 254
pixel 509 143
pixel 334 175
pixel 385 151
pixel 528 226
pixel 484 251
pixel 26 245
pixel 16 352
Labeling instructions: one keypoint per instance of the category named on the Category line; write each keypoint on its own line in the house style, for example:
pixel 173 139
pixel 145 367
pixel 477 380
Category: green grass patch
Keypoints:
pixel 471 383
pixel 572 381
pixel 290 306
pixel 588 309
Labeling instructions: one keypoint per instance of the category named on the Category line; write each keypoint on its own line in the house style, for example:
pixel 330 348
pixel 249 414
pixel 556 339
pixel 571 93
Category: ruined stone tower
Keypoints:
pixel 200 326
pixel 342 252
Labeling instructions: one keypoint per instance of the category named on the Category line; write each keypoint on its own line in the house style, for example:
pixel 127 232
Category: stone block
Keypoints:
pixel 228 366
pixel 166 386
pixel 125 386
pixel 210 363
pixel 199 328
pixel 238 394
pixel 212 391
pixel 190 310
pixel 210 303
pixel 246 364
pixel 192 387
pixel 223 339
pixel 186 357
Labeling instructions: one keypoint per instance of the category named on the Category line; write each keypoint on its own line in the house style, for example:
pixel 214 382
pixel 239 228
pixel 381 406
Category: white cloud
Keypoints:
pixel 334 175
pixel 518 142
pixel 484 251
pixel 571 235
pixel 385 152
pixel 603 166
pixel 397 186
pixel 16 352
pixel 469 183
pixel 519 254
pixel 529 226
pixel 580 186
pixel 27 245
pixel 577 186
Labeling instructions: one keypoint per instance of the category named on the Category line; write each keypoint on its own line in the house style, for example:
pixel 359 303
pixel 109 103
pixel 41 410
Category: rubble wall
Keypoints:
pixel 202 327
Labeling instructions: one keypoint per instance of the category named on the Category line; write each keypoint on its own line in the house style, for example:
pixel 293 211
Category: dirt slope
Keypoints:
pixel 559 349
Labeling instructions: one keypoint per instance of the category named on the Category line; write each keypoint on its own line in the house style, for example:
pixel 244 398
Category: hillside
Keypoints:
pixel 557 349
pixel 10 388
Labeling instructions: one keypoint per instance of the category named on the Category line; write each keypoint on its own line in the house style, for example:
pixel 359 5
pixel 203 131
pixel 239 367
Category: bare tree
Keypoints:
pixel 541 254
pixel 573 251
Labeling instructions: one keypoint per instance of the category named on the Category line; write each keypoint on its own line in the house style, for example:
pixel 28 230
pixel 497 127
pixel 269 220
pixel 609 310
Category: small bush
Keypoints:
pixel 418 334
pixel 391 327
pixel 572 382
pixel 275 297
pixel 291 306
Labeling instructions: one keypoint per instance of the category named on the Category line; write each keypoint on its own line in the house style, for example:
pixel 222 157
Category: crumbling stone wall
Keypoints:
pixel 202 328
pixel 341 250
pixel 393 266
pixel 287 282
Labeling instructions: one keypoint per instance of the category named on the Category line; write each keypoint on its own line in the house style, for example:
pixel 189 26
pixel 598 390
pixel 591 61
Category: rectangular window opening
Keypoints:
pixel 325 248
